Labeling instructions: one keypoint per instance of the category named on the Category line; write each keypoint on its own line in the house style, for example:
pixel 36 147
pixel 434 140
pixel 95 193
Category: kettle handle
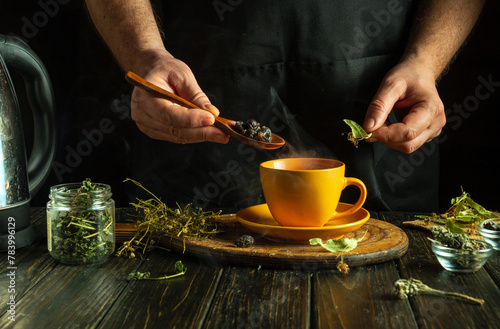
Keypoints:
pixel 19 57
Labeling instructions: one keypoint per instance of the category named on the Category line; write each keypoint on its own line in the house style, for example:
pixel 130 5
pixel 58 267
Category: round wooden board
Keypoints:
pixel 381 242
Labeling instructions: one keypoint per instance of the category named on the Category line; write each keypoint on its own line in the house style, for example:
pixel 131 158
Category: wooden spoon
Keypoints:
pixel 221 123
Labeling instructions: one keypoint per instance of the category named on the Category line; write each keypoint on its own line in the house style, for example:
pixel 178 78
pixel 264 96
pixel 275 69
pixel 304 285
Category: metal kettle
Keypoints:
pixel 19 178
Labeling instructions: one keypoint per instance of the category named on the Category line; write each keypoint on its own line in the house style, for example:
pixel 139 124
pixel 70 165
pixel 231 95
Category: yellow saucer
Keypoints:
pixel 259 220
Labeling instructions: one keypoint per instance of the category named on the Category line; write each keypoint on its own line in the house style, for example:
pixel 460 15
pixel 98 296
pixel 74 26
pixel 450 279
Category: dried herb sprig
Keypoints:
pixel 357 132
pixel 462 216
pixel 404 288
pixel 180 269
pixel 339 245
pixel 159 221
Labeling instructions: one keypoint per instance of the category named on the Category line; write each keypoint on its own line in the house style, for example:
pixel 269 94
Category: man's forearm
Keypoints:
pixel 129 29
pixel 439 30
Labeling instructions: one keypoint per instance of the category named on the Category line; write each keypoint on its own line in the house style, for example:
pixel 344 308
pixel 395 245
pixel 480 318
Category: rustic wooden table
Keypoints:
pixel 51 295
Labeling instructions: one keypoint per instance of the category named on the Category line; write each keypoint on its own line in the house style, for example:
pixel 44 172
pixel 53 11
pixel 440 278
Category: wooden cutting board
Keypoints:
pixel 381 242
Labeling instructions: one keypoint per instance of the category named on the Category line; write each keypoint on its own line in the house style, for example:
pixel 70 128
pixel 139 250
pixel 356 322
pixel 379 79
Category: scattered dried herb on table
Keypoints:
pixel 85 232
pixel 159 221
pixel 180 269
pixel 405 288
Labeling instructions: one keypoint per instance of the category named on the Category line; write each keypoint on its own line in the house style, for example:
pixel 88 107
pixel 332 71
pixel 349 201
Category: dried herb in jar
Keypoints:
pixel 80 222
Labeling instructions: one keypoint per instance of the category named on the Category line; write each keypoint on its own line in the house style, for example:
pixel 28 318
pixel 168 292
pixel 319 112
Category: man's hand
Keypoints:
pixel 162 119
pixel 411 91
pixel 440 28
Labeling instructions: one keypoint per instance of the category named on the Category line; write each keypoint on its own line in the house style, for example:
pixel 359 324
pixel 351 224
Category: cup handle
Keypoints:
pixel 361 200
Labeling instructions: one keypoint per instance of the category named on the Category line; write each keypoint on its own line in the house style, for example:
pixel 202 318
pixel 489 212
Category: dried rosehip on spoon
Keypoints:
pixel 253 129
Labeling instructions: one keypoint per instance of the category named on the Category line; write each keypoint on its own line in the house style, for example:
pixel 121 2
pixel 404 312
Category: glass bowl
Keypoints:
pixel 490 236
pixel 459 260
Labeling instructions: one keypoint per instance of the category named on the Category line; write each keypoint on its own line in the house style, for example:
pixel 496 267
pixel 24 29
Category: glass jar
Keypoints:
pixel 80 223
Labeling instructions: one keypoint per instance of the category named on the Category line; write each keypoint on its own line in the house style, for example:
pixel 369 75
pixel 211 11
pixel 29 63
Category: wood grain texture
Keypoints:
pixel 73 296
pixel 361 299
pixel 493 267
pixel 261 298
pixel 437 312
pixel 31 265
pixel 181 302
pixel 380 242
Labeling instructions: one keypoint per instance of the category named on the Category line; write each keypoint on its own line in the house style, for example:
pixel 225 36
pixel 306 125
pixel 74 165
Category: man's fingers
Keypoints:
pixel 162 119
pixel 381 105
pixel 162 112
pixel 186 135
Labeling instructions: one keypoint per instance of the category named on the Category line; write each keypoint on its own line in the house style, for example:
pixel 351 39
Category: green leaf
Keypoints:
pixel 357 131
pixel 453 227
pixel 315 241
pixel 480 209
pixel 466 218
pixel 179 267
pixel 344 244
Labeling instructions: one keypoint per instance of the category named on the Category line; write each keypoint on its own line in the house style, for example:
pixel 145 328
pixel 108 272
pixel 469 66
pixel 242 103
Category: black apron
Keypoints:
pixel 299 67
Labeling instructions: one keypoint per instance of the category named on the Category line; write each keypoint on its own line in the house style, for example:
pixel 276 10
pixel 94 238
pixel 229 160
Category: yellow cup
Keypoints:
pixel 306 191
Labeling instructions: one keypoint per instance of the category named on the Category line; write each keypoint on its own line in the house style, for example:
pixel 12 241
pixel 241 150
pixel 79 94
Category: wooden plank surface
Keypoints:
pixel 437 312
pixel 360 299
pixel 73 296
pixel 32 263
pixel 181 302
pixel 249 297
pixel 363 298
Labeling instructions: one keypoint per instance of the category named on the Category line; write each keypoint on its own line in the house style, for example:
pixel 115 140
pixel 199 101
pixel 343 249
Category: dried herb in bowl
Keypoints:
pixel 457 252
pixel 445 237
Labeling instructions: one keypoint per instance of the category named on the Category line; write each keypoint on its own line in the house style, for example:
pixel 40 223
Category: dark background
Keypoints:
pixel 89 87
